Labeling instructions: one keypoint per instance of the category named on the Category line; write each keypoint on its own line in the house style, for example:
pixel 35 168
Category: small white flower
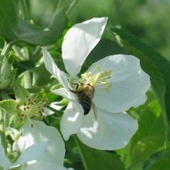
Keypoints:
pixel 40 147
pixel 118 81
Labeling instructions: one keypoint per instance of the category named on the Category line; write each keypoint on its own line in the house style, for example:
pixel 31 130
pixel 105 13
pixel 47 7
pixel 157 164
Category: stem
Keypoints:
pixel 80 151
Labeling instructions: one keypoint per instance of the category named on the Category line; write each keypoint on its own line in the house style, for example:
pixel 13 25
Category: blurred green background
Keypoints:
pixel 149 20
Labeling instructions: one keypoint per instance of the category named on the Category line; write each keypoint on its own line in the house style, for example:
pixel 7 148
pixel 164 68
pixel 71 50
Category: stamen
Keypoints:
pixel 100 78
pixel 32 108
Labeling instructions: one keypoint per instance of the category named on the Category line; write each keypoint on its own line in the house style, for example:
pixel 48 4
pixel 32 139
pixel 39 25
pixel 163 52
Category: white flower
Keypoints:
pixel 40 146
pixel 4 162
pixel 118 81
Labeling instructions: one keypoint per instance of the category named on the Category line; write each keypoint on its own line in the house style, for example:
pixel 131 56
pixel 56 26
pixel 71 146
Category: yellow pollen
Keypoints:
pixel 100 78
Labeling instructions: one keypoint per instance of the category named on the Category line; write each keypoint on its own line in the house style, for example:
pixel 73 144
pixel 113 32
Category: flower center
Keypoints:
pixel 84 89
pixel 100 78
pixel 32 108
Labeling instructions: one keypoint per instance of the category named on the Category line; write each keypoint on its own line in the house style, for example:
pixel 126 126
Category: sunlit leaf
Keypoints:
pixel 8 105
pixel 151 133
pixel 34 77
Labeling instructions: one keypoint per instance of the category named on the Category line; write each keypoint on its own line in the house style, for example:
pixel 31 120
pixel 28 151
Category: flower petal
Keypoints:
pixel 33 153
pixel 71 120
pixel 46 141
pixel 4 162
pixel 79 41
pixel 129 83
pixel 109 132
pixel 64 93
pixel 54 70
pixel 44 165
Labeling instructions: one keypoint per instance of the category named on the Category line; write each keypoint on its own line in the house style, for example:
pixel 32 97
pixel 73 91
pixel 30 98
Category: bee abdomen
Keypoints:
pixel 85 103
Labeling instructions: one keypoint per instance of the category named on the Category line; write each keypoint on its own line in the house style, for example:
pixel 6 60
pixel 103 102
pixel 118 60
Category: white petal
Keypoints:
pixel 54 70
pixel 79 41
pixel 56 106
pixel 64 92
pixel 46 141
pixel 48 111
pixel 33 153
pixel 44 165
pixel 71 120
pixel 4 162
pixel 111 132
pixel 129 83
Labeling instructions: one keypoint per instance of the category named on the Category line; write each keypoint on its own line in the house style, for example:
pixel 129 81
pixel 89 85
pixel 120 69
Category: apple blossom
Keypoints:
pixel 39 147
pixel 26 143
pixel 118 81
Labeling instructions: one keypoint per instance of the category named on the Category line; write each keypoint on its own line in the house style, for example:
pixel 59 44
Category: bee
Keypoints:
pixel 85 94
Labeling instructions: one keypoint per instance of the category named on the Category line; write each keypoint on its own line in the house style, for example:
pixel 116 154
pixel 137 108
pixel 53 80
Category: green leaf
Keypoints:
pixel 9 109
pixel 9 18
pixel 7 73
pixel 160 160
pixel 36 77
pixel 100 160
pixel 40 36
pixel 21 93
pixel 14 28
pixel 163 164
pixel 155 65
pixel 9 106
pixel 150 136
pixel 151 133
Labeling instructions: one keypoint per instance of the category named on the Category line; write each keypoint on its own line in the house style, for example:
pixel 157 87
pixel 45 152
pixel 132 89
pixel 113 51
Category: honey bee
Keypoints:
pixel 85 94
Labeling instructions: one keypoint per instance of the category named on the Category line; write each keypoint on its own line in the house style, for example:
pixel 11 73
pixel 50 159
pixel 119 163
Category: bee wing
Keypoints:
pixel 94 110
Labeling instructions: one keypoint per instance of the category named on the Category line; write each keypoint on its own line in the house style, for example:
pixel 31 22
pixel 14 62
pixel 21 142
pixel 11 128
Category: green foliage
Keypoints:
pixel 151 133
pixel 7 72
pixel 95 159
pixel 14 28
pixel 146 19
pixel 9 18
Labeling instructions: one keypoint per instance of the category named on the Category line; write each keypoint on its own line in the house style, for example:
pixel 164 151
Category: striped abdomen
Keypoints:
pixel 85 102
